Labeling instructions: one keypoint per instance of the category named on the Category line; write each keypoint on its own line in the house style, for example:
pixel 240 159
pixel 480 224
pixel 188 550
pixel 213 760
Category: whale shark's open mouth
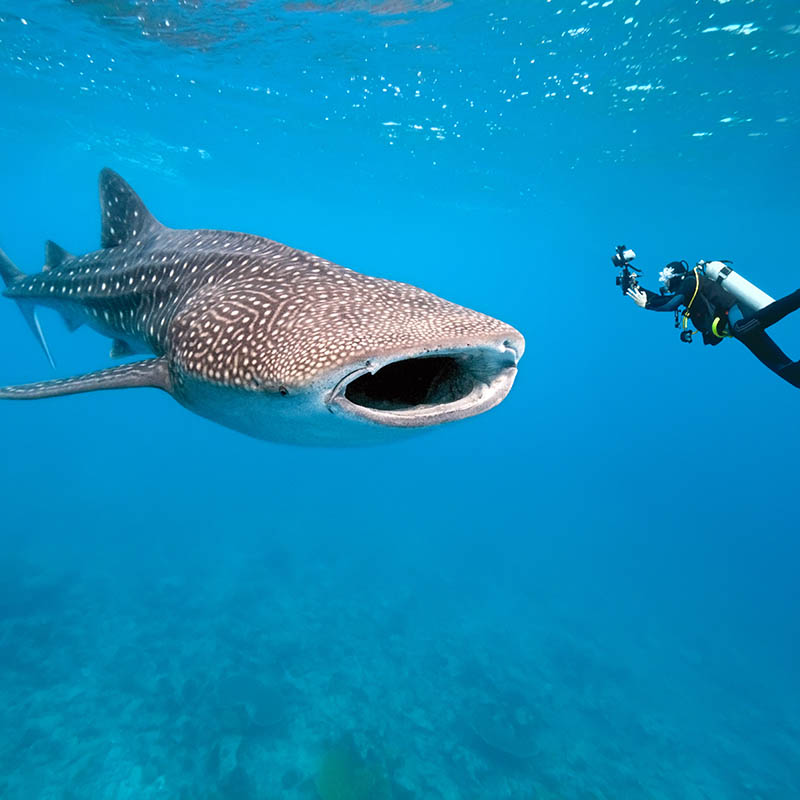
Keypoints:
pixel 428 389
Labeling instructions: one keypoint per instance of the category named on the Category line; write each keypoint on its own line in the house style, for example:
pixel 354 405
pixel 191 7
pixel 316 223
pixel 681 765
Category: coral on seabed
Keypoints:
pixel 344 775
pixel 504 731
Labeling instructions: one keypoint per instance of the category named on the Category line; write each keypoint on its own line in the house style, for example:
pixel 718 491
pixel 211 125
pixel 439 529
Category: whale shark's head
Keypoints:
pixel 343 359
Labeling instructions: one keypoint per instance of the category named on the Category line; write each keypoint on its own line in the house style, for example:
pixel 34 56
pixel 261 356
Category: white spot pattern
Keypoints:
pixel 240 310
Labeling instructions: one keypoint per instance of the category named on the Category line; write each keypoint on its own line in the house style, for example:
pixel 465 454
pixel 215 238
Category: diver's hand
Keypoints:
pixel 638 296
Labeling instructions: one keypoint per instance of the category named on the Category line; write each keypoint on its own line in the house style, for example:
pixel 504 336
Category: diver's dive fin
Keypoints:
pixel 11 274
pixel 152 372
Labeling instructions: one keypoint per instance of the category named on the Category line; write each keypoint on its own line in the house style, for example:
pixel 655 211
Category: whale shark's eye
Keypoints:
pixel 283 390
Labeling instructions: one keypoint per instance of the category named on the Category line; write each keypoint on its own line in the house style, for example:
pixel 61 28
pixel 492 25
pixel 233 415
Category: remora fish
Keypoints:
pixel 260 337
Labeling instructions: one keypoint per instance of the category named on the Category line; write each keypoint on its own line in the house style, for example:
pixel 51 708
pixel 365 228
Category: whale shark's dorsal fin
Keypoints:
pixel 124 216
pixel 54 255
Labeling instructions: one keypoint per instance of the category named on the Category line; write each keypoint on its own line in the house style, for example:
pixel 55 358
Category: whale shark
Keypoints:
pixel 265 339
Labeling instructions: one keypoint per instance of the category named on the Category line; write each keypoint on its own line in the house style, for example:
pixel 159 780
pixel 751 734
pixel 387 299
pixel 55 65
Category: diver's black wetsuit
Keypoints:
pixel 747 326
pixel 711 301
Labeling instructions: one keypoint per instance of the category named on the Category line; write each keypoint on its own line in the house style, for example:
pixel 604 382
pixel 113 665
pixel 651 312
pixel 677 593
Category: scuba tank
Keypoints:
pixel 745 292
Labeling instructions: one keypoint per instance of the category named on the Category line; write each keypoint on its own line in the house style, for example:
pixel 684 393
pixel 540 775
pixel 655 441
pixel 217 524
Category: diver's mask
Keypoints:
pixel 671 276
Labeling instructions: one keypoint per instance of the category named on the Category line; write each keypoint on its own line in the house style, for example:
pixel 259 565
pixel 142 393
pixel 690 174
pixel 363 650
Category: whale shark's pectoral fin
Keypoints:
pixel 153 372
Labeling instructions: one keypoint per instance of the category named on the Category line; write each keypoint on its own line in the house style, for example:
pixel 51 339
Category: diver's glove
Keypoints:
pixel 638 296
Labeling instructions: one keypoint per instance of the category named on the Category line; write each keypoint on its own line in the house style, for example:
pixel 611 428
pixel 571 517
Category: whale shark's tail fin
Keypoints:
pixel 10 275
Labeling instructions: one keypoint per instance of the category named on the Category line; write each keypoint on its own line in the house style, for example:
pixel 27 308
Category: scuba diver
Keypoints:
pixel 719 303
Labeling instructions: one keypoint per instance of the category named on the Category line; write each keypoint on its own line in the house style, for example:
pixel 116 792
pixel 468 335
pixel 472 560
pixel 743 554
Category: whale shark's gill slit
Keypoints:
pixel 428 380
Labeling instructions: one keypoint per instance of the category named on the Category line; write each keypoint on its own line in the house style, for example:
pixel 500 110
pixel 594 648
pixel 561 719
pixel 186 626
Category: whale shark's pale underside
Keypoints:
pixel 271 341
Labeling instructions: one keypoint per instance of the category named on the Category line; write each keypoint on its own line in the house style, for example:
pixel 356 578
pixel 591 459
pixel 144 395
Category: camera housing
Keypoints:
pixel 622 259
pixel 623 256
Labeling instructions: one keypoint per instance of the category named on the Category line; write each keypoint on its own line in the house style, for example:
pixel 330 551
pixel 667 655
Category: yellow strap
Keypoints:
pixel 714 329
pixel 689 304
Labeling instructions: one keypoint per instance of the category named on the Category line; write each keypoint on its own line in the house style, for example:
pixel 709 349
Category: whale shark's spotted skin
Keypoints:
pixel 254 318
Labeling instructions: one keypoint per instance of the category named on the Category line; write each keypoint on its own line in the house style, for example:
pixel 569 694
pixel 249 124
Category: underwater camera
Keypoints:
pixel 622 259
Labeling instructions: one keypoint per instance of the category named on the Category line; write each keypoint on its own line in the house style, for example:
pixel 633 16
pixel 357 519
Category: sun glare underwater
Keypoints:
pixel 579 587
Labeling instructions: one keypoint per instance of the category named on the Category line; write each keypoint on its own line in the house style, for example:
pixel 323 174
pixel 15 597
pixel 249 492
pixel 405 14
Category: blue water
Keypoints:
pixel 589 592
